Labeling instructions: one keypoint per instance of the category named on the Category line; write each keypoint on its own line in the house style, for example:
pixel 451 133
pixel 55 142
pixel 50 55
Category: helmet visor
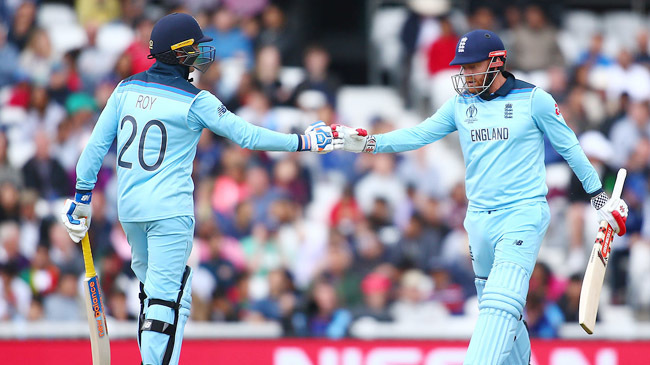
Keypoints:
pixel 199 57
pixel 460 80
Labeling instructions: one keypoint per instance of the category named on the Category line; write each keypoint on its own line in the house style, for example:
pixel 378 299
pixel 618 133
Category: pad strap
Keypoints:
pixel 158 326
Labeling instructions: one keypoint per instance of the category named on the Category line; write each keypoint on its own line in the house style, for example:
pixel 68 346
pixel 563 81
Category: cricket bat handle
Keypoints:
pixel 618 185
pixel 88 257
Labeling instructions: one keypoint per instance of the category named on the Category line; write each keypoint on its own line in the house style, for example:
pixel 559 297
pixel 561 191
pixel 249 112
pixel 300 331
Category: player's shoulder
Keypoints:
pixel 523 86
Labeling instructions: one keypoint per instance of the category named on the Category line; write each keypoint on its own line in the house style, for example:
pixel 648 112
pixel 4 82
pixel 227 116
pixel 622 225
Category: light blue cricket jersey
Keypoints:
pixel 157 117
pixel 502 138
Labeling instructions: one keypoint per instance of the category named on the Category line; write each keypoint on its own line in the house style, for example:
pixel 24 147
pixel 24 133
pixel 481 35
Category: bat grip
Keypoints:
pixel 88 257
pixel 618 185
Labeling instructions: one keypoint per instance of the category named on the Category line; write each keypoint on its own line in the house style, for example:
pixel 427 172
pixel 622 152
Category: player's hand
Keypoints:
pixel 318 138
pixel 76 215
pixel 352 140
pixel 615 213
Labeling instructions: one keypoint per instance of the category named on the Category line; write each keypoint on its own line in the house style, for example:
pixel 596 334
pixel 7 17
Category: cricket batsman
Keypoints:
pixel 157 117
pixel 501 123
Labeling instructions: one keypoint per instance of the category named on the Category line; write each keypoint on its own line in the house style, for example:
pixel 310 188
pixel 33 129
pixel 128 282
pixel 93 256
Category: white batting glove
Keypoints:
pixel 317 138
pixel 353 140
pixel 614 211
pixel 76 215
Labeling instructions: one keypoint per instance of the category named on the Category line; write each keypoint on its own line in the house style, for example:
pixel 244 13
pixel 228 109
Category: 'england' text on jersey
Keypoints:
pixel 489 134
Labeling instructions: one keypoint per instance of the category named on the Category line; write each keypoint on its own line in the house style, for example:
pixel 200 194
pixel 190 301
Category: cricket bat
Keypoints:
pixel 99 343
pixel 592 282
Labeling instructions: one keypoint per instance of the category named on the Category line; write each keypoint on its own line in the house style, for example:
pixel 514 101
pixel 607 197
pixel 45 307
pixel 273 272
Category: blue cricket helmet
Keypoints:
pixel 180 32
pixel 476 46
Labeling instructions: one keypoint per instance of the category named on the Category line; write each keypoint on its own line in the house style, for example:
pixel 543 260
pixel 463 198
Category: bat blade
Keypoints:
pixel 592 283
pixel 594 278
pixel 99 341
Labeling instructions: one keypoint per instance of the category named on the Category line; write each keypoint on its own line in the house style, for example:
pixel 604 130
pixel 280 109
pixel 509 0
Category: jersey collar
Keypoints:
pixel 503 90
pixel 169 70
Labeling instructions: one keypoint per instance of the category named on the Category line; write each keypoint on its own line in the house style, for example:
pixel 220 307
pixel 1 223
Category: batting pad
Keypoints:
pixel 520 354
pixel 500 314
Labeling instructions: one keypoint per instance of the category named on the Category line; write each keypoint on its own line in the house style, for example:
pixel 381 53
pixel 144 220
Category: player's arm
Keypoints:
pixel 77 212
pixel 430 130
pixel 549 120
pixel 208 112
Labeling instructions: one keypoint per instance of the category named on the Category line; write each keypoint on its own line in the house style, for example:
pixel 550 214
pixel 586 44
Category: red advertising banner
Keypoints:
pixel 325 352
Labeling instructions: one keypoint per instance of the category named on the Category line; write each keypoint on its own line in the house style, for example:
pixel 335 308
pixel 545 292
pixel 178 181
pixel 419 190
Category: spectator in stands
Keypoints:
pixel 629 131
pixel 642 54
pixel 63 252
pixel 43 114
pixel 9 199
pixel 228 39
pixel 37 59
pixel 43 172
pixel 418 245
pixel 267 75
pixel 281 302
pixel 64 305
pixel 570 300
pixel 412 305
pixel 292 180
pixel 9 55
pixel 138 50
pixel 381 182
pixel 24 23
pixel 445 290
pixel 481 18
pixel 65 78
pixel 257 110
pixel 442 50
pixel 262 252
pixel 628 77
pixel 325 316
pixel 534 44
pixel 543 318
pixel 345 213
pixel 376 295
pixel 543 315
pixel 10 247
pixel 8 173
pixel 594 56
pixel 42 275
pixel 337 266
pixel 15 295
pixel 319 77
pixel 276 32
pixel 117 308
pixel 30 223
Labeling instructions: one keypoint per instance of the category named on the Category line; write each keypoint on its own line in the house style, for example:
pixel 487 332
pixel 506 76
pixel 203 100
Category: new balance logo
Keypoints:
pixel 518 242
pixel 461 44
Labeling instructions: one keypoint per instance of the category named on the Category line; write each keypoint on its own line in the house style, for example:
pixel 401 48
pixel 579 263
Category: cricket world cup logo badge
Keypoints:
pixel 471 114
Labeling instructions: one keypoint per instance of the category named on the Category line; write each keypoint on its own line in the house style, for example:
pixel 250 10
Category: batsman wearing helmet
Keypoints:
pixel 157 117
pixel 501 123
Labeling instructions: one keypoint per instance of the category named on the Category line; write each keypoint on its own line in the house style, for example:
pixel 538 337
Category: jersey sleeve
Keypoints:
pixel 430 130
pixel 209 112
pixel 100 141
pixel 549 120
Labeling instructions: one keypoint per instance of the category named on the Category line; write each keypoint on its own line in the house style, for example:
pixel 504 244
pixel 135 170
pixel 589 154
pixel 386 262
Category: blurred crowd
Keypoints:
pixel 313 242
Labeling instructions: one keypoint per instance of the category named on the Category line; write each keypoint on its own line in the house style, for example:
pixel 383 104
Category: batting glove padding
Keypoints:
pixel 317 138
pixel 76 215
pixel 615 213
pixel 353 140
